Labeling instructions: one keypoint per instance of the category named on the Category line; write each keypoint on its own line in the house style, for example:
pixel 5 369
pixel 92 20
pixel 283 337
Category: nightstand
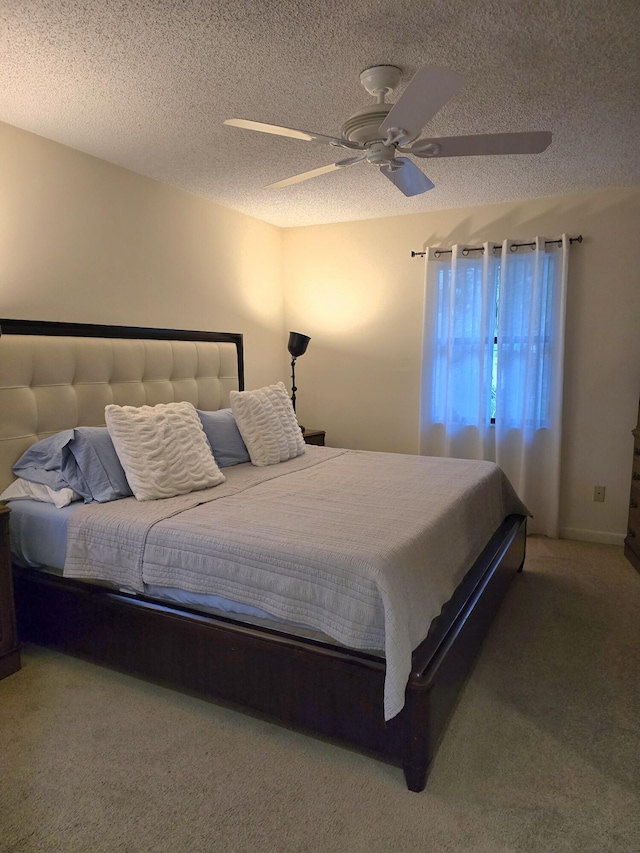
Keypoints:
pixel 9 651
pixel 314 436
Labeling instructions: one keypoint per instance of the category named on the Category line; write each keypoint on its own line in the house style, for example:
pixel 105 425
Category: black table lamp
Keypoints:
pixel 297 346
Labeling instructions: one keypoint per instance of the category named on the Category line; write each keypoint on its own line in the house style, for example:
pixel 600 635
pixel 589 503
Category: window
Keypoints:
pixel 464 340
pixel 487 350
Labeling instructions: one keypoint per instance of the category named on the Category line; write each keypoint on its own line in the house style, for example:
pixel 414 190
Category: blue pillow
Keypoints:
pixel 227 445
pixel 42 462
pixel 83 459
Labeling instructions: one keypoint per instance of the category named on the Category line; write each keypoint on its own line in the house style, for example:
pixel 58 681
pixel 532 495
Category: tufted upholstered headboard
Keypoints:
pixel 56 376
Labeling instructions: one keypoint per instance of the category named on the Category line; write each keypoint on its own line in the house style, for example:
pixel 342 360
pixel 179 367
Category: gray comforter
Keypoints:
pixel 365 547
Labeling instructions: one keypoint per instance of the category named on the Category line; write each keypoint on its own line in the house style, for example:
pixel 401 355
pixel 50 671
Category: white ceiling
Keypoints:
pixel 147 84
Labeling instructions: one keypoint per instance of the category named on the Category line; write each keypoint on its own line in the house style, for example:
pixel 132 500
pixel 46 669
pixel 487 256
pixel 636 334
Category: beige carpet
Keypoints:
pixel 542 753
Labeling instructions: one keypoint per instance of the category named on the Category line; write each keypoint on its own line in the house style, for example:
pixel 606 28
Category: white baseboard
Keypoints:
pixel 600 536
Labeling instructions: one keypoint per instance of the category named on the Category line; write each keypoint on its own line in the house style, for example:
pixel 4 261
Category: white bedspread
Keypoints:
pixel 365 547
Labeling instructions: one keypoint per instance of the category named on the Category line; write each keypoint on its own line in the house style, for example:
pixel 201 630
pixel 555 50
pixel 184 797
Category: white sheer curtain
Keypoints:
pixel 458 345
pixel 493 354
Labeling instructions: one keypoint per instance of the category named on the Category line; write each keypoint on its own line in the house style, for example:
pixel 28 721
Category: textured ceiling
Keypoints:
pixel 147 84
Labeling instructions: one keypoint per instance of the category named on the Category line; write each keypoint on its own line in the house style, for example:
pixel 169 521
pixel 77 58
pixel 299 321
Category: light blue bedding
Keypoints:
pixel 38 534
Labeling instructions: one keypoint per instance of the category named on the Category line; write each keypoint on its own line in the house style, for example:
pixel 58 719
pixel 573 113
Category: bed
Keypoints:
pixel 299 667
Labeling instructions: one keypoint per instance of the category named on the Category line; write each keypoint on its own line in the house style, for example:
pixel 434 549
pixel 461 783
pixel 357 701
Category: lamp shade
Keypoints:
pixel 298 344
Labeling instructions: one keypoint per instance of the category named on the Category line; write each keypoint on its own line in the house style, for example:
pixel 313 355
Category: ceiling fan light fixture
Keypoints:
pixel 380 154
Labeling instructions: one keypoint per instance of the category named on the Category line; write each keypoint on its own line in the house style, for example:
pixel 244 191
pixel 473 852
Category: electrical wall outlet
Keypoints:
pixel 598 493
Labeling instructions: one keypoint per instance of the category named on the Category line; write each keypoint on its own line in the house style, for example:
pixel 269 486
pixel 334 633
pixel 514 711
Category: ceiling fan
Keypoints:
pixel 381 131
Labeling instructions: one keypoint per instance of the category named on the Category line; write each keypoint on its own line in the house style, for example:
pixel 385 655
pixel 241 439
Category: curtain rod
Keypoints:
pixel 466 251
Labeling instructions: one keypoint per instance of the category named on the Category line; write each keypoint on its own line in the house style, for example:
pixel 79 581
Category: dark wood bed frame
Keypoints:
pixel 307 684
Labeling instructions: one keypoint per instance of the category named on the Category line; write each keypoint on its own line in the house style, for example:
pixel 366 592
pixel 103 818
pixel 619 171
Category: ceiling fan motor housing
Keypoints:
pixel 364 126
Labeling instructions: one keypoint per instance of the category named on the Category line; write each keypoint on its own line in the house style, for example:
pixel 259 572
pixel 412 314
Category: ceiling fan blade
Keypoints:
pixel 313 173
pixel 428 91
pixel 408 178
pixel 484 143
pixel 291 132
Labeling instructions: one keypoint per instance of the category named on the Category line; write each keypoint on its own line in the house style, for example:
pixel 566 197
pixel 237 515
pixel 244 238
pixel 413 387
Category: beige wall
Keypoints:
pixel 82 240
pixel 356 290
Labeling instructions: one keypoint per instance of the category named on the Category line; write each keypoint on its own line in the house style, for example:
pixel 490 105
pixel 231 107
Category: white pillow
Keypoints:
pixel 21 490
pixel 163 449
pixel 268 424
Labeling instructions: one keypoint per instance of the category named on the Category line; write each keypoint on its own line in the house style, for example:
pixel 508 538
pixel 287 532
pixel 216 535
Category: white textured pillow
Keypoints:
pixel 163 449
pixel 268 424
pixel 21 490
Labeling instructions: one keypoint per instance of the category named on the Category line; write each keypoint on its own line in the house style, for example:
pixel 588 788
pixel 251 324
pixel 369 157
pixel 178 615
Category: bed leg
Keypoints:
pixel 416 755
pixel 415 774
